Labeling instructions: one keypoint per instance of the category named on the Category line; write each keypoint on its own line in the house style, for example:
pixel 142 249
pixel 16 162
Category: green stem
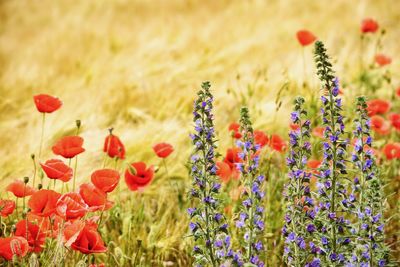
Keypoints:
pixel 74 181
pixel 42 135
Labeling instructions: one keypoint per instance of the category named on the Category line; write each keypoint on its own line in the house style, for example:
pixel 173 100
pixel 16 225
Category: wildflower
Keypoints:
pixel 392 151
pixel 113 146
pixel 138 175
pixel 13 246
pixel 377 106
pixel 33 233
pixel 56 169
pixel 89 240
pixel 207 225
pixel 105 179
pixel 43 202
pixel 382 60
pixel 333 168
pixel 251 214
pixel 69 146
pixel 234 129
pixel 7 207
pixel 318 132
pixel 297 188
pixel 369 25
pixel 71 206
pixel 277 143
pixel 20 189
pixel 223 171
pixel 380 125
pixel 163 150
pixel 369 226
pixel 395 120
pixel 95 198
pixel 305 37
pixel 260 138
pixel 46 103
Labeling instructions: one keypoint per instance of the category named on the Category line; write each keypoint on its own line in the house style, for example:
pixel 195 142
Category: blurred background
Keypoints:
pixel 136 65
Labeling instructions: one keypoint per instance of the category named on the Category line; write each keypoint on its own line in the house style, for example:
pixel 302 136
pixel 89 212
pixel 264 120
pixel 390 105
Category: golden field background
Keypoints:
pixel 136 66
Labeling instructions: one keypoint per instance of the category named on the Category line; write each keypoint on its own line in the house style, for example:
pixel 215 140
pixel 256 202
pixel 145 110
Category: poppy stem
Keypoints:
pixel 165 166
pixel 16 206
pixel 42 134
pixel 104 160
pixel 115 163
pixel 304 66
pixel 34 170
pixel 76 164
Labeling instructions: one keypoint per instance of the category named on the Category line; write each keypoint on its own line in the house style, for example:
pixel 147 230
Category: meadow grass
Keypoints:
pixel 136 65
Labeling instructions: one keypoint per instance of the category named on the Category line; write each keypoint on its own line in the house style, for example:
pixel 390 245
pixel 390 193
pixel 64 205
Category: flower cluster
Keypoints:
pixel 56 220
pixel 208 226
pixel 251 216
pixel 299 211
pixel 370 249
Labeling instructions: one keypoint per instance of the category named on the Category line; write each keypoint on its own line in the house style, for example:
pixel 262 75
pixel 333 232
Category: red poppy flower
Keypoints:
pixel 69 146
pixel 380 125
pixel 232 157
pixel 369 25
pixel 314 163
pixel 277 143
pixel 305 37
pixel 260 138
pixel 20 189
pixel 97 265
pixel 395 120
pixel 294 126
pixel 56 169
pixel 14 245
pixel 398 91
pixel 318 131
pixel 48 227
pixel 382 60
pixel 71 231
pixel 163 150
pixel 7 207
pixel 392 151
pixel 43 202
pixel 89 240
pixel 106 179
pixel 94 197
pixel 234 128
pixel 138 175
pixel 114 147
pixel 223 171
pixel 377 106
pixel 47 103
pixel 71 206
pixel 32 233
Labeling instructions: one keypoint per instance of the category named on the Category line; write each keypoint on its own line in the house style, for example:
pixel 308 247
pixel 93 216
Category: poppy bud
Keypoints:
pixel 32 156
pixel 26 180
pixel 78 123
pixel 40 186
pixel 156 169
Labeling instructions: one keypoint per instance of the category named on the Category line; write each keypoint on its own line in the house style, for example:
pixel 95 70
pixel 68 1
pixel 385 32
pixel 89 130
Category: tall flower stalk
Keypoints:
pixel 208 225
pixel 370 247
pixel 251 217
pixel 299 210
pixel 332 225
